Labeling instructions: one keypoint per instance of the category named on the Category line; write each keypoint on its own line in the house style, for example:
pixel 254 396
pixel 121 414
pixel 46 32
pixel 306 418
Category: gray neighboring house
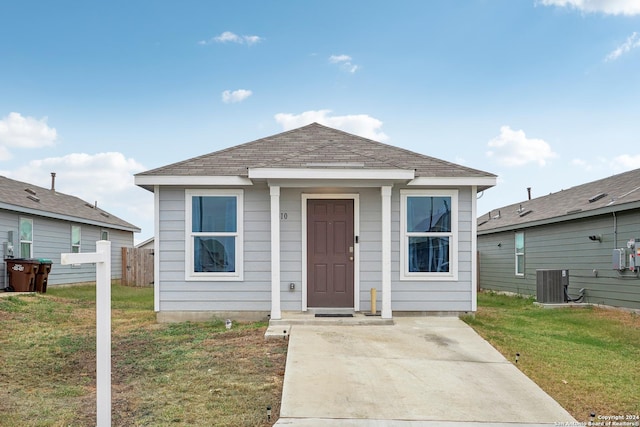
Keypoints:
pixel 313 218
pixel 41 222
pixel 592 230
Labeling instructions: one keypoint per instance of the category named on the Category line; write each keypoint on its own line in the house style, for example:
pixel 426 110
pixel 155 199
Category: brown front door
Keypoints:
pixel 330 253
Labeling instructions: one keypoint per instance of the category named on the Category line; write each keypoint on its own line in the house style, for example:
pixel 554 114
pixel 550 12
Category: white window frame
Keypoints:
pixel 104 232
pixel 30 242
pixel 79 245
pixel 452 274
pixel 518 254
pixel 237 275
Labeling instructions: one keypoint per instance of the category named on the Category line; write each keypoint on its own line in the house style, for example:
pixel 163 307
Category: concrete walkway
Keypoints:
pixel 421 371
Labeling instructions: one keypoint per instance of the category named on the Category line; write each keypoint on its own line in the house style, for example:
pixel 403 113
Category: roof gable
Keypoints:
pixel 614 193
pixel 31 199
pixel 313 146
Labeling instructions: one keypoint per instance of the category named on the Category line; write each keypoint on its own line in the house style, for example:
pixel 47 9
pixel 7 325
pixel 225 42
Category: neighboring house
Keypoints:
pixel 591 230
pixel 39 222
pixel 147 244
pixel 313 218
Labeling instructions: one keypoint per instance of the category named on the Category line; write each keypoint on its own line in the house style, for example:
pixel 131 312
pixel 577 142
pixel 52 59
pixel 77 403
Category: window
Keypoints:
pixel 75 239
pixel 429 222
pixel 214 234
pixel 104 235
pixel 26 238
pixel 519 253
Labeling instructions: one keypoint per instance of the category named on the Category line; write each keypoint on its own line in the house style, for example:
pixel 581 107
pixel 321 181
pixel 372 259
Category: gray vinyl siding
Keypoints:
pixel 290 249
pixel 52 237
pixel 566 245
pixel 254 292
pixel 434 295
pixel 251 294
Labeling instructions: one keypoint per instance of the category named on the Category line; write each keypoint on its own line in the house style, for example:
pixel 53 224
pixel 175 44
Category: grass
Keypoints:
pixel 587 359
pixel 162 374
pixel 183 374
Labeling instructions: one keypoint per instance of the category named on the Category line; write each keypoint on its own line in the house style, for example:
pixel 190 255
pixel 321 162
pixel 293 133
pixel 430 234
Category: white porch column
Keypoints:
pixel 275 253
pixel 386 251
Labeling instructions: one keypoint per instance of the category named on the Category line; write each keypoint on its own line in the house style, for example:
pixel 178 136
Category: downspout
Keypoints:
pixel 615 231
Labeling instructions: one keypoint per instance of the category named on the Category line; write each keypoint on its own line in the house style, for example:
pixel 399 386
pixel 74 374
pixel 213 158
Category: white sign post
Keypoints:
pixel 102 259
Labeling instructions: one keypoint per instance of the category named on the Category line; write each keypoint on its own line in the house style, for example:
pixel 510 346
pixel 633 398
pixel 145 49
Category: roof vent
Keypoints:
pixel 34 198
pixel 574 211
pixel 104 214
pixel 30 191
pixel 597 197
pixel 525 213
pixel 89 205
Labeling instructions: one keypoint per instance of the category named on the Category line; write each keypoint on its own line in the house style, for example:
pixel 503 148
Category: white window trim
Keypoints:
pixel 103 231
pixel 80 242
pixel 30 255
pixel 404 237
pixel 237 275
pixel 516 253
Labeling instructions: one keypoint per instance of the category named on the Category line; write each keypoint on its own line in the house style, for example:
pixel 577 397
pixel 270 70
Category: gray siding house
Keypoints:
pixel 591 230
pixel 38 222
pixel 313 218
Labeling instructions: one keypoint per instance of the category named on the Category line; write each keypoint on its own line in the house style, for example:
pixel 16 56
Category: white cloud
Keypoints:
pixel 24 132
pixel 609 7
pixel 626 162
pixel 358 124
pixel 345 63
pixel 583 164
pixel 105 178
pixel 229 37
pixel 632 42
pixel 513 148
pixel 235 96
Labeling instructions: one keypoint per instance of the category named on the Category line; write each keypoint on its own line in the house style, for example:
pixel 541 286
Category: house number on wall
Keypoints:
pixel 283 215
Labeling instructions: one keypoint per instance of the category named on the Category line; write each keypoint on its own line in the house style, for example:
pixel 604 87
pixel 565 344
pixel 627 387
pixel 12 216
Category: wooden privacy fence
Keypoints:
pixel 137 267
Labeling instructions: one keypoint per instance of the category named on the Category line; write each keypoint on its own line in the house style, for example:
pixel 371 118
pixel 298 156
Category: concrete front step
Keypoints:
pixel 281 328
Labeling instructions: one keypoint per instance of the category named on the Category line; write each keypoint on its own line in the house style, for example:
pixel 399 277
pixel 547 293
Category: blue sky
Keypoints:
pixel 543 93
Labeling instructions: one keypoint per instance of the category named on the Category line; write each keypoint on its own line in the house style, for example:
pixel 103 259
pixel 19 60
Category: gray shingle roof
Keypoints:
pixel 23 197
pixel 614 193
pixel 309 146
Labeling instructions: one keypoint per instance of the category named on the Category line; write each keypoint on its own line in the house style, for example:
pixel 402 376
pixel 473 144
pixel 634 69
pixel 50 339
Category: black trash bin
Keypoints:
pixel 42 274
pixel 22 274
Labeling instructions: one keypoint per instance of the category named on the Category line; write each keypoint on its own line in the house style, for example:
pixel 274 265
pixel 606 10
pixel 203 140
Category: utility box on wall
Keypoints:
pixel 619 259
pixel 550 286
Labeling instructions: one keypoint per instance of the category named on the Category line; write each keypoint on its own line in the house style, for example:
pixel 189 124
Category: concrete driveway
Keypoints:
pixel 421 371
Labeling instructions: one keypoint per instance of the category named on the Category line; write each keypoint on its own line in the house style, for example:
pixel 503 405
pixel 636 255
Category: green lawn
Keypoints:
pixel 588 359
pixel 179 374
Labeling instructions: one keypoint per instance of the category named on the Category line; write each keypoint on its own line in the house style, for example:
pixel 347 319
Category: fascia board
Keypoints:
pixel 342 174
pixel 63 217
pixel 425 181
pixel 188 180
pixel 562 218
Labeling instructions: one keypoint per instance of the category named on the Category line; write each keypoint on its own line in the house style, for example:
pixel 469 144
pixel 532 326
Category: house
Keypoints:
pixel 313 218
pixel 591 230
pixel 37 222
pixel 147 244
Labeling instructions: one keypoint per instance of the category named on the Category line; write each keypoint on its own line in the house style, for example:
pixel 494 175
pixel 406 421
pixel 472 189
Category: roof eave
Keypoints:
pixel 332 174
pixel 149 181
pixel 482 182
pixel 70 218
pixel 568 217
